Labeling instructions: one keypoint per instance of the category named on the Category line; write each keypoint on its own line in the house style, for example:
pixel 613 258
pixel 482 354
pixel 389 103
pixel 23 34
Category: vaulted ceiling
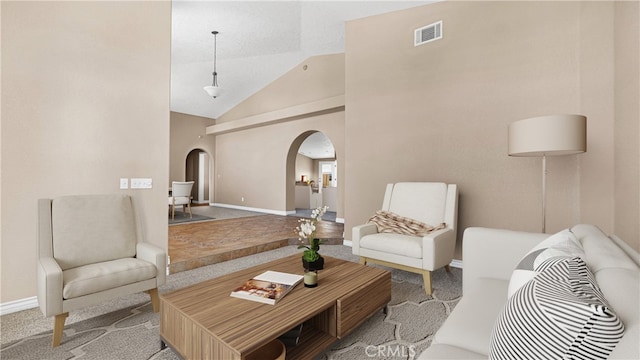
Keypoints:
pixel 258 41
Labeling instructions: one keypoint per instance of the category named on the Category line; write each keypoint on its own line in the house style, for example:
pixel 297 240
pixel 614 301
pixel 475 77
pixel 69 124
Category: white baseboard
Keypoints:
pixel 266 211
pixel 18 305
pixel 246 208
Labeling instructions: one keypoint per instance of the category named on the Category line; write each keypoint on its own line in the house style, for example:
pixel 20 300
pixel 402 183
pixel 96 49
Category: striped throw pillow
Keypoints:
pixel 559 314
pixel 561 244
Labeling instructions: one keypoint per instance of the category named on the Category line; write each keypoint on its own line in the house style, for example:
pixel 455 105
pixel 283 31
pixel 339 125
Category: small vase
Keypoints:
pixel 314 265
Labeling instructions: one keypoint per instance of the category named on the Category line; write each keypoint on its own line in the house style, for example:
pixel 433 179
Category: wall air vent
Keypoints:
pixel 428 33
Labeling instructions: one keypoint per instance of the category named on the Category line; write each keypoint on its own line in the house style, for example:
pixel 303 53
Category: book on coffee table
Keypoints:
pixel 268 287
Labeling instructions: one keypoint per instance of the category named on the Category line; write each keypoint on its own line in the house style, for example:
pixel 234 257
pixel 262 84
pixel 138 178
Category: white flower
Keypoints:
pixel 318 212
pixel 307 227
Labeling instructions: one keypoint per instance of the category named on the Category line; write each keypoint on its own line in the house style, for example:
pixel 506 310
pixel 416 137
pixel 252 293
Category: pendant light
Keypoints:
pixel 214 90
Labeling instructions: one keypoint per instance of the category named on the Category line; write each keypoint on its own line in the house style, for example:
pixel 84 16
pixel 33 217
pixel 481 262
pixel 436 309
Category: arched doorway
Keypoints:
pixel 198 169
pixel 312 177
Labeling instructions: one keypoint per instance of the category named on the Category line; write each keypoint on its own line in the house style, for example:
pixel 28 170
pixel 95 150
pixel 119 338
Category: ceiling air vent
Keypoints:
pixel 428 33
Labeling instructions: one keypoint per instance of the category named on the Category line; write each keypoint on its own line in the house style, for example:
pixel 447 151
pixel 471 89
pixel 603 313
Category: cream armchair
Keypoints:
pixel 180 196
pixel 429 203
pixel 89 252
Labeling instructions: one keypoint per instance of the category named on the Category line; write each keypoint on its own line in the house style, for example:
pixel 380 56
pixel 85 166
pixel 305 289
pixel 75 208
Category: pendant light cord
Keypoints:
pixel 215 50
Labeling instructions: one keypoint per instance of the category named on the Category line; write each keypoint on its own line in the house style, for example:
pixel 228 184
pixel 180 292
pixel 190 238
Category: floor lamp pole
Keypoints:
pixel 544 191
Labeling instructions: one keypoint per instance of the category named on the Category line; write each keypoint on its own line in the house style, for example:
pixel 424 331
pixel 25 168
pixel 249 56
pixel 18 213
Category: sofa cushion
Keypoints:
pixel 469 325
pixel 93 278
pixel 559 314
pixel 562 244
pixel 399 244
pixel 601 252
pixel 92 228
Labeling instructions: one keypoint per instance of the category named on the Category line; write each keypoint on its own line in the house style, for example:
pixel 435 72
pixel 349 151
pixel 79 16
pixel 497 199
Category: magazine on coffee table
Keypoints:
pixel 268 287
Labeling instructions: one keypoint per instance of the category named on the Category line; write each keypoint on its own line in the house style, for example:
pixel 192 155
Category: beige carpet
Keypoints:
pixel 128 329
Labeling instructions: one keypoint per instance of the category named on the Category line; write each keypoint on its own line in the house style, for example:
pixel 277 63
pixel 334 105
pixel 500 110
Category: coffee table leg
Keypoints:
pixel 163 345
pixel 385 310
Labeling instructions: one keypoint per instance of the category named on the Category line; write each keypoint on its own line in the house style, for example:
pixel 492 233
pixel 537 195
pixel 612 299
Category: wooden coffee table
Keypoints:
pixel 203 322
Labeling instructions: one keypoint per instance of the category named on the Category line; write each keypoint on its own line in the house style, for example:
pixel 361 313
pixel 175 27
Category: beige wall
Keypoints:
pixel 187 134
pixel 316 78
pixel 85 101
pixel 440 111
pixel 596 85
pixel 258 164
pixel 305 166
pixel 251 164
pixel 627 122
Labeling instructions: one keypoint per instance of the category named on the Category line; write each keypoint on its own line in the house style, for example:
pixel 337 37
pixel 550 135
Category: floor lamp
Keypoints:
pixel 548 136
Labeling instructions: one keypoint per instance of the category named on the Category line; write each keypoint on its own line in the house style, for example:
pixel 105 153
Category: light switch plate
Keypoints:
pixel 141 183
pixel 124 183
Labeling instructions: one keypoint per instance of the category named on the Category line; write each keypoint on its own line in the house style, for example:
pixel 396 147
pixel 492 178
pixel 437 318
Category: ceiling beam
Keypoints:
pixel 327 105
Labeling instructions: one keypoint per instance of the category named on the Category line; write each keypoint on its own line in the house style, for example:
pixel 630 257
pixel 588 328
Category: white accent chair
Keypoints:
pixel 89 252
pixel 427 202
pixel 180 196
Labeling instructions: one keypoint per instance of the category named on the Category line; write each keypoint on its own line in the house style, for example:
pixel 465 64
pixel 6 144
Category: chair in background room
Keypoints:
pixel 415 230
pixel 180 196
pixel 89 252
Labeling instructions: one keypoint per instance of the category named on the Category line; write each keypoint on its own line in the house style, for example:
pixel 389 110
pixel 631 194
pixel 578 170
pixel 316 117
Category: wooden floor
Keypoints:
pixel 193 245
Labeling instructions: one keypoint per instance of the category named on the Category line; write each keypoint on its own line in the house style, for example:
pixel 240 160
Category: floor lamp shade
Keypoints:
pixel 548 135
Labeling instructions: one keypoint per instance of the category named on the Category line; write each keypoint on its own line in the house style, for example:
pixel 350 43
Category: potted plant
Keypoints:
pixel 311 259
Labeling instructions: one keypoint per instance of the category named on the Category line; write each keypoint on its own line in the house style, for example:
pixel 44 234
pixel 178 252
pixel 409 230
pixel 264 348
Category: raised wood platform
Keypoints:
pixel 192 245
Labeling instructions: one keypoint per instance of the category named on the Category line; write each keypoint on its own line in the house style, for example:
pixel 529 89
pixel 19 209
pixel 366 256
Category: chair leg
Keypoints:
pixel 448 268
pixel 58 327
pixel 173 212
pixel 426 276
pixel 190 214
pixel 155 299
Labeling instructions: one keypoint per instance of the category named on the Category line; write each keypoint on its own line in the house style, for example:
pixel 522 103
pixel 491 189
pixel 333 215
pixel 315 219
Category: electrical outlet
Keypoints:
pixel 242 199
pixel 124 183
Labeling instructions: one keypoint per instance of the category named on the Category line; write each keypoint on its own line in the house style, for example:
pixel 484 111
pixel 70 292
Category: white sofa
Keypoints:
pixel 490 256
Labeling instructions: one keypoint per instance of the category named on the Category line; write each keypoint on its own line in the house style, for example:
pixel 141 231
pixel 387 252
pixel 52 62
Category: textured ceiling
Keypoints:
pixel 258 42
pixel 317 146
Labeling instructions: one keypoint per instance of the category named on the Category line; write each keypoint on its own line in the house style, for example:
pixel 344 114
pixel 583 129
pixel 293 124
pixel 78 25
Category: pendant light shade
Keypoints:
pixel 214 90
